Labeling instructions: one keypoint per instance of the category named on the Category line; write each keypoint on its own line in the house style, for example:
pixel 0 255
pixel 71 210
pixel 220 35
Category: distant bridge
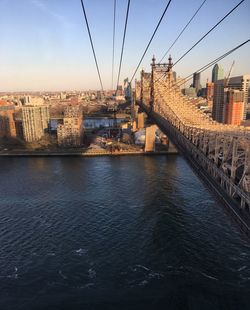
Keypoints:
pixel 221 151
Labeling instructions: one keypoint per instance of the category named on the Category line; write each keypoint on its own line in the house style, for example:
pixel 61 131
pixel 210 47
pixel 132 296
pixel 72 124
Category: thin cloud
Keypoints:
pixel 41 5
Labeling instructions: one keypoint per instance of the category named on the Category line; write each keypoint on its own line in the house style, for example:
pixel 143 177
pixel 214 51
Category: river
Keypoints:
pixel 116 233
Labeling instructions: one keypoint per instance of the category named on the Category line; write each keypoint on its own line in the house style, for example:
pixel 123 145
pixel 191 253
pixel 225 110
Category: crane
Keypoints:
pixel 226 80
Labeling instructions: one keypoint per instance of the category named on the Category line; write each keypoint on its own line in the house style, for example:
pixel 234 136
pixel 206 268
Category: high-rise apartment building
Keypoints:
pixel 7 122
pixel 233 107
pixel 229 104
pixel 70 133
pixel 242 83
pixel 35 122
pixel 217 73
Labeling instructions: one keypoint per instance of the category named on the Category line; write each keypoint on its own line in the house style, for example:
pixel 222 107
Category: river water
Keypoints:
pixel 116 233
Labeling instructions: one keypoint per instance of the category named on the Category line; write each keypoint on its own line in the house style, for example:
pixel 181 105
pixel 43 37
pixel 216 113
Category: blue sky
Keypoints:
pixel 45 46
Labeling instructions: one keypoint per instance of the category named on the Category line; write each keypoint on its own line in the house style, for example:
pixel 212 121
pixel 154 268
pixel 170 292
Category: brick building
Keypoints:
pixel 234 107
pixel 7 121
pixel 70 133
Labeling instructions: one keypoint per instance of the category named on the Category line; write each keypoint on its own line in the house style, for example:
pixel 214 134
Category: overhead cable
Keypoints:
pixel 213 62
pixel 92 45
pixel 217 24
pixel 164 12
pixel 113 51
pixel 183 30
pixel 123 42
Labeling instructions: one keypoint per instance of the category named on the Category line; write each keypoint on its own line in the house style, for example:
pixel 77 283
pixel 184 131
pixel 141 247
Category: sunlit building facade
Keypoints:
pixel 35 122
pixel 7 122
pixel 70 133
pixel 234 107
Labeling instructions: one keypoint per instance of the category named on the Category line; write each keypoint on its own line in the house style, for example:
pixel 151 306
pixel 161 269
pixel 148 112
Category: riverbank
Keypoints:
pixel 87 153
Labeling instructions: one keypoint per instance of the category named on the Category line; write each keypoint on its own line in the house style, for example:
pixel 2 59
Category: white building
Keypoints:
pixel 35 122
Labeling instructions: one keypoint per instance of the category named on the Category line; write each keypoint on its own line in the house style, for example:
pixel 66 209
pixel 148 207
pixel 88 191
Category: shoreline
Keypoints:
pixel 85 154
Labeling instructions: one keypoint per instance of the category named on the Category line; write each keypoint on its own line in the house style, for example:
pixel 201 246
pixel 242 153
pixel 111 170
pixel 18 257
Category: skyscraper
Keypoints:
pixel 217 73
pixel 218 101
pixel 196 81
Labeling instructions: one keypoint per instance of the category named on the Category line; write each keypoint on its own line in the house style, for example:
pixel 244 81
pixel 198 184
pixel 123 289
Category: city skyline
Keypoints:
pixel 46 47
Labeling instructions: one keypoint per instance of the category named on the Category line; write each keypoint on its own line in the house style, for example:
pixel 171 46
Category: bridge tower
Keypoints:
pixel 169 70
pixel 151 102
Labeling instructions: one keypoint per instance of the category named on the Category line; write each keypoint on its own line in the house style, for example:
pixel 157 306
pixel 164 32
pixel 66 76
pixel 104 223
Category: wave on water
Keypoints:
pixel 81 251
pixel 88 285
pixel 92 273
pixel 242 268
pixel 62 275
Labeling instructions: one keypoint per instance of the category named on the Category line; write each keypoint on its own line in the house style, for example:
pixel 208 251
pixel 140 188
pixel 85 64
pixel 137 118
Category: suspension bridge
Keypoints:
pixel 221 151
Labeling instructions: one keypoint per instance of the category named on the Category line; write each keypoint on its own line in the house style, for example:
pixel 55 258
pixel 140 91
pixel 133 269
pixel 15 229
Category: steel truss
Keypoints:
pixel 221 150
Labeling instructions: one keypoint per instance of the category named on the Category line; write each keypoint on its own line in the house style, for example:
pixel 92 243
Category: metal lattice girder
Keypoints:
pixel 225 146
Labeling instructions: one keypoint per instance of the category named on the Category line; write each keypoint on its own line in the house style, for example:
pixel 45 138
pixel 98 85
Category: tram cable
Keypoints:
pixel 159 22
pixel 210 64
pixel 190 76
pixel 203 37
pixel 113 50
pixel 123 42
pixel 196 12
pixel 92 45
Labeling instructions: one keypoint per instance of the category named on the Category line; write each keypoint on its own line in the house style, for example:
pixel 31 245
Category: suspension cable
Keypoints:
pixel 183 30
pixel 190 76
pixel 113 52
pixel 164 12
pixel 211 63
pixel 123 41
pixel 209 32
pixel 92 45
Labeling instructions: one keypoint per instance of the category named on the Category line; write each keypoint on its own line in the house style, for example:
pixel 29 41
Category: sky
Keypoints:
pixel 44 44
